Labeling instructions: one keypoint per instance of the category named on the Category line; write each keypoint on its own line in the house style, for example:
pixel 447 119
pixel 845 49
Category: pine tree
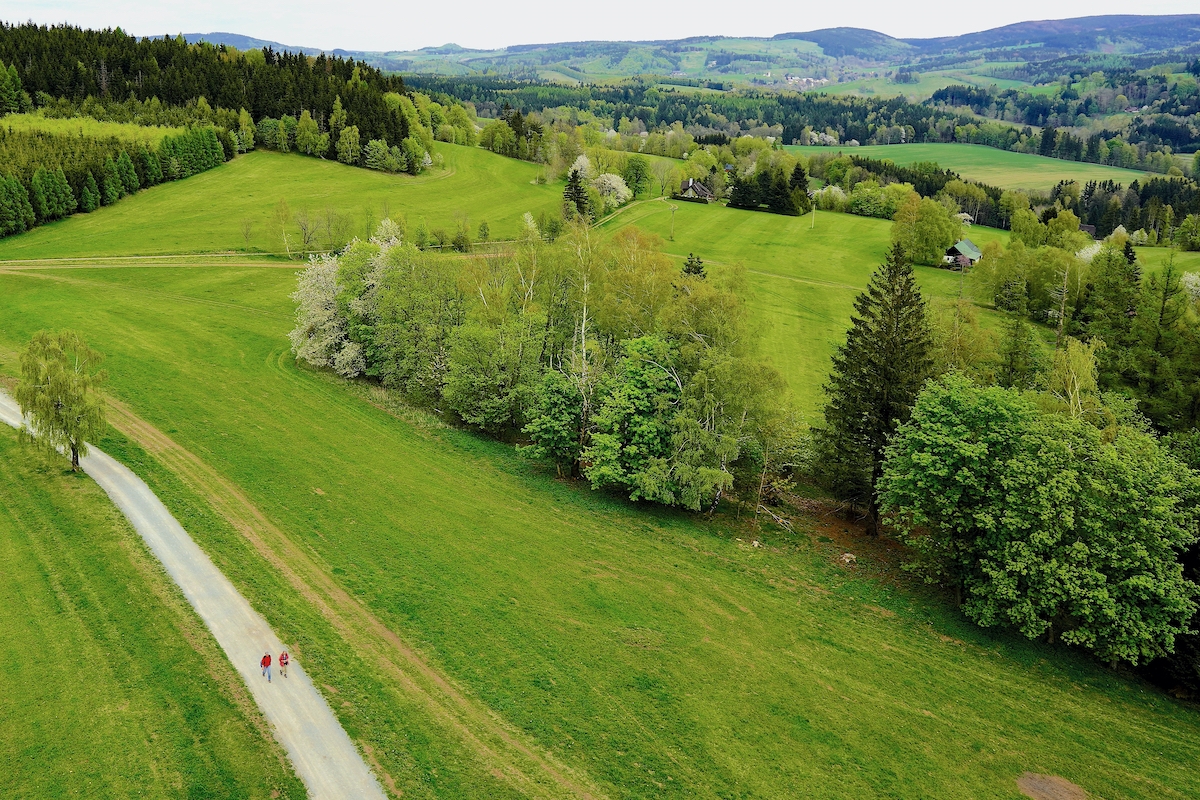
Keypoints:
pixel 693 266
pixel 114 190
pixel 89 196
pixel 151 167
pixel 877 374
pixel 780 198
pixel 129 178
pixel 743 193
pixel 575 194
pixel 1021 359
pixel 64 197
pixel 798 185
pixel 43 196
pixel 8 92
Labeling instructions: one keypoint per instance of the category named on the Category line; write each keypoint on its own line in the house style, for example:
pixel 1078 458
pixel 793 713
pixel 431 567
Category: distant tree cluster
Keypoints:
pixel 609 360
pixel 772 188
pixel 1031 486
pixel 45 176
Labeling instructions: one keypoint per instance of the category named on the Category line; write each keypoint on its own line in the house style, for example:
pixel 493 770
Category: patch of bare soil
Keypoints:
pixel 1049 787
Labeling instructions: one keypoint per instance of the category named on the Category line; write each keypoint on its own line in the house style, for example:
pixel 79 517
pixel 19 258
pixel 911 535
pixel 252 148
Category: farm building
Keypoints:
pixel 692 189
pixel 963 253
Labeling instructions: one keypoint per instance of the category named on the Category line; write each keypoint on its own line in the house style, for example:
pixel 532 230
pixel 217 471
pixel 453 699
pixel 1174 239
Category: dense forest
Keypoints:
pixel 69 62
pixel 46 177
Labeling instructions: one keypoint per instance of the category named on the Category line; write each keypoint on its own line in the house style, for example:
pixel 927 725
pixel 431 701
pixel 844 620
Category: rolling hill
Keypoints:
pixel 639 652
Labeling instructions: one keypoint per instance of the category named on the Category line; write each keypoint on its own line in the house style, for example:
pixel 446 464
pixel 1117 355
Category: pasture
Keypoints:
pixel 233 207
pixel 112 686
pixel 802 275
pixel 989 165
pixel 86 126
pixel 927 83
pixel 802 278
pixel 646 653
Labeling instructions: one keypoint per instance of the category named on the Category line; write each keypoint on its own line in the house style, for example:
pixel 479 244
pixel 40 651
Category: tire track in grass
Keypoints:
pixel 502 749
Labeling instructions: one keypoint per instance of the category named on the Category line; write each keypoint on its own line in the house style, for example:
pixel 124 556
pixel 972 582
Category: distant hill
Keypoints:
pixel 859 42
pixel 830 53
pixel 1126 33
pixel 247 42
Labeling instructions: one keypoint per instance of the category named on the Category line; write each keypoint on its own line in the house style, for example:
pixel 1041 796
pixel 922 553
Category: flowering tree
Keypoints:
pixel 320 333
pixel 613 189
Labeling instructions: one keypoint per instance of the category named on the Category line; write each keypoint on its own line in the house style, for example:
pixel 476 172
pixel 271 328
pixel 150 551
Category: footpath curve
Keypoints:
pixel 319 748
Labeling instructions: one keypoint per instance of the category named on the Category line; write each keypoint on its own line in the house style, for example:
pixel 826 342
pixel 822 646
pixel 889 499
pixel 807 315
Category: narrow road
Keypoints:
pixel 321 752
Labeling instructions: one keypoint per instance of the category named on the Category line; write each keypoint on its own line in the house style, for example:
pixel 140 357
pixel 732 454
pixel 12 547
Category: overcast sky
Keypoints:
pixel 396 25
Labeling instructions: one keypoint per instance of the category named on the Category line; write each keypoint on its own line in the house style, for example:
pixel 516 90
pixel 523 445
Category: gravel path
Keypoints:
pixel 321 752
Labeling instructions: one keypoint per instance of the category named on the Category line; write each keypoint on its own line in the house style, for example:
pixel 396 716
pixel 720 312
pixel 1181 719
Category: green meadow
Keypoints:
pixel 989 165
pixel 111 685
pixel 651 653
pixel 215 210
pixel 802 274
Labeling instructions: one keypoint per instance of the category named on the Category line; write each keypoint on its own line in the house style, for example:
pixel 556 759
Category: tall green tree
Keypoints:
pixel 1043 522
pixel 129 178
pixel 575 195
pixel 112 189
pixel 57 392
pixel 876 376
pixel 349 149
pixel 89 195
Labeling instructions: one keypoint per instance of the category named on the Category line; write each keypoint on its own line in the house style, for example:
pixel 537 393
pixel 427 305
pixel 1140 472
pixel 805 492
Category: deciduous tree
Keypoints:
pixel 57 393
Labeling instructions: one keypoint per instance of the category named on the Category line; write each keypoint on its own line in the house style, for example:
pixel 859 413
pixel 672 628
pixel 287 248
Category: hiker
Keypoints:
pixel 283 662
pixel 266 666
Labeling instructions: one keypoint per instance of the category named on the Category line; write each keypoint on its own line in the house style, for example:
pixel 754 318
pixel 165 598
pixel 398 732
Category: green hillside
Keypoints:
pixel 112 687
pixel 1001 168
pixel 647 653
pixel 206 212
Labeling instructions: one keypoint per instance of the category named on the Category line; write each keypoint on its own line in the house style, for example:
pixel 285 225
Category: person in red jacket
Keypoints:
pixel 266 666
pixel 283 662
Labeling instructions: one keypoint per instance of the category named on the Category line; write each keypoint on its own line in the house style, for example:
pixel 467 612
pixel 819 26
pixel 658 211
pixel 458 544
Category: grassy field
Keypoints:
pixel 802 275
pixel 923 89
pixel 650 654
pixel 989 165
pixel 79 126
pixel 111 685
pixel 207 211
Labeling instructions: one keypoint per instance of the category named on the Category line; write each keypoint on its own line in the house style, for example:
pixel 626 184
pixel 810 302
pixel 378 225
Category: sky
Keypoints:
pixel 394 25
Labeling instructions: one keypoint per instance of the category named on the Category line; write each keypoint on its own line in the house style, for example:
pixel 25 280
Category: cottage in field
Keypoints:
pixel 692 189
pixel 963 253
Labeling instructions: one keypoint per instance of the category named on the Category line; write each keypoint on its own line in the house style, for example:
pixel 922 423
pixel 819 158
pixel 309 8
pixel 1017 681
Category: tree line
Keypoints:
pixel 48 176
pixel 113 76
pixel 606 358
pixel 1047 504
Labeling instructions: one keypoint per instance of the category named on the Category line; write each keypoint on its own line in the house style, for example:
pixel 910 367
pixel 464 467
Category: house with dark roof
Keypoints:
pixel 692 189
pixel 961 254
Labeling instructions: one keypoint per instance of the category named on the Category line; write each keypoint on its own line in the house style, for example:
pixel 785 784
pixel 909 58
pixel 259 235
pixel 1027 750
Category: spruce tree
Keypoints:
pixel 575 194
pixel 798 187
pixel 89 196
pixel 129 178
pixel 114 190
pixel 877 374
pixel 693 266
pixel 1021 359
pixel 8 93
pixel 65 197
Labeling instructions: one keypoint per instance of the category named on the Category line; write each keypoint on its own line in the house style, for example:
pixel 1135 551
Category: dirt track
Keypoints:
pixel 320 751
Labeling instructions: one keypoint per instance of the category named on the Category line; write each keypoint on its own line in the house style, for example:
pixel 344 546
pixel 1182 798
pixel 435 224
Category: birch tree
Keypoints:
pixel 57 393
